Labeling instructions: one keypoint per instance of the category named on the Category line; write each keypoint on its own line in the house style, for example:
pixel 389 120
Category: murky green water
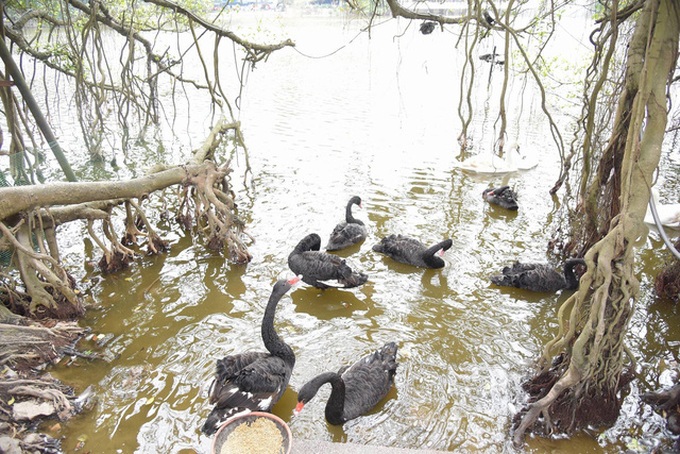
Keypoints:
pixel 376 119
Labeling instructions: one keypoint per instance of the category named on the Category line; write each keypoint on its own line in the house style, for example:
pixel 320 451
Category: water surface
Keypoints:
pixel 376 119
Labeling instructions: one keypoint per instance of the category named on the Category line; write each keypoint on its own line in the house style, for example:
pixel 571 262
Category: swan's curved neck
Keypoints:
pixel 430 257
pixel 274 344
pixel 335 407
pixel 309 243
pixel 349 218
pixel 570 274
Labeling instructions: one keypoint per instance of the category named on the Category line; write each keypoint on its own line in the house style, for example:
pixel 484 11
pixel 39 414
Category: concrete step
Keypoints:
pixel 327 447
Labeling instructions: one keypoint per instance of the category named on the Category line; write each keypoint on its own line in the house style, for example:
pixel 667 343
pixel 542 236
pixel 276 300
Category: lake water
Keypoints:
pixel 346 114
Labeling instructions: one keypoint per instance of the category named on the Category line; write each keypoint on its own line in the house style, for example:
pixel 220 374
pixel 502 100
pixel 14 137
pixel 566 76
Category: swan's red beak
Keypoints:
pixel 298 408
pixel 294 280
pixel 440 253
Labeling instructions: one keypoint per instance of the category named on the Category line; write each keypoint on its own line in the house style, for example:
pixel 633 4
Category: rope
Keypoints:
pixel 662 231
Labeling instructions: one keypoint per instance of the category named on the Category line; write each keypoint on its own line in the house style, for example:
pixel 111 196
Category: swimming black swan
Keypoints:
pixel 539 277
pixel 427 27
pixel 503 196
pixel 253 381
pixel 412 252
pixel 320 269
pixel 355 389
pixel 349 232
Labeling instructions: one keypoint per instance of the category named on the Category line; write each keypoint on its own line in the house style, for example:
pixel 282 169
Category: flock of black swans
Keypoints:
pixel 255 381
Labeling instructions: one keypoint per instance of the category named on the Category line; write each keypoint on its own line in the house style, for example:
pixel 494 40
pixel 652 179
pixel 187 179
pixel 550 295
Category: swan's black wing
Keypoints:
pixel 503 196
pixel 368 380
pixel 325 270
pixel 252 381
pixel 507 198
pixel 402 249
pixel 345 235
pixel 256 385
pixel 536 277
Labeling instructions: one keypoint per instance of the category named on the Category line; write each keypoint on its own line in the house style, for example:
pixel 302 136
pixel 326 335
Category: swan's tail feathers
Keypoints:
pixel 388 357
pixel 503 280
pixel 355 280
pixel 332 283
pixel 219 415
pixel 349 278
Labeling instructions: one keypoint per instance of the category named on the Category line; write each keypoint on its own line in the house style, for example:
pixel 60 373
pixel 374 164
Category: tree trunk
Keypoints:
pixel 583 387
pixel 29 215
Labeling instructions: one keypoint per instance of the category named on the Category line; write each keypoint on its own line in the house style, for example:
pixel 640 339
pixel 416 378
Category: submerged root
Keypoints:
pixel 207 201
pixel 561 404
pixel 114 262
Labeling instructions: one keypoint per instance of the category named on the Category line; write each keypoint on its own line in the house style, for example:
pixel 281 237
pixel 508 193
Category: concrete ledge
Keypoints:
pixel 327 447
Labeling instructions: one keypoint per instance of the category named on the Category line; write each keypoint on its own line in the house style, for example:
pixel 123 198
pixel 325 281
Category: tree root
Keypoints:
pixel 206 201
pixel 136 225
pixel 33 213
pixel 26 398
pixel 51 288
pixel 566 406
pixel 663 400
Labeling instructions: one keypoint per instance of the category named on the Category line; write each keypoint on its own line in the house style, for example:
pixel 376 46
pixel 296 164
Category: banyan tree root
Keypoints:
pixel 52 289
pixel 555 407
pixel 115 258
pixel 27 398
pixel 667 283
pixel 137 224
pixel 207 201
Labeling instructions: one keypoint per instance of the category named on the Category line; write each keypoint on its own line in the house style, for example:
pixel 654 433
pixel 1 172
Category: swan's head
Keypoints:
pixel 356 200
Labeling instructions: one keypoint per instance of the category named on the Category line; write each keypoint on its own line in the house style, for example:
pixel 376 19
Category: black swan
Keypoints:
pixel 355 389
pixel 539 277
pixel 412 252
pixel 503 197
pixel 427 27
pixel 347 233
pixel 320 269
pixel 253 381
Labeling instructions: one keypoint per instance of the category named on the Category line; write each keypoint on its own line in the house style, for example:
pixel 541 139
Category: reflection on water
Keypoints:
pixel 376 119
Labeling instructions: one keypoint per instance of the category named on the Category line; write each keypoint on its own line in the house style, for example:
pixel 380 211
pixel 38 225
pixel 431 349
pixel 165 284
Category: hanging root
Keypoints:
pixel 132 230
pixel 52 289
pixel 140 225
pixel 208 200
pixel 118 257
